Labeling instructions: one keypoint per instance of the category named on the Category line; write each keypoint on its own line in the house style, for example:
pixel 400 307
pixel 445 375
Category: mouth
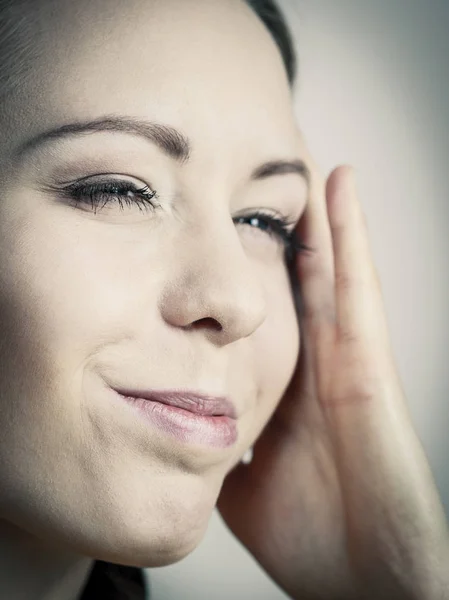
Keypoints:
pixel 193 402
pixel 189 416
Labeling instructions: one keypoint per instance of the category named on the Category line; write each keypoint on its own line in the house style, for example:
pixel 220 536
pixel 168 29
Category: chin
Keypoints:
pixel 159 532
pixel 151 545
pixel 170 551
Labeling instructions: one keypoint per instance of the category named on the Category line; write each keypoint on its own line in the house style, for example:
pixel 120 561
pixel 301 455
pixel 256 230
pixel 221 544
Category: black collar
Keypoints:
pixel 109 581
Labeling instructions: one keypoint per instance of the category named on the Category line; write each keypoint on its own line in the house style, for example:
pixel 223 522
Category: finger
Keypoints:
pixel 359 306
pixel 387 484
pixel 316 268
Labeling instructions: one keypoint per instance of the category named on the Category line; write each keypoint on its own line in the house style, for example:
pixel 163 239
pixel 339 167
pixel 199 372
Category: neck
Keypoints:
pixel 31 569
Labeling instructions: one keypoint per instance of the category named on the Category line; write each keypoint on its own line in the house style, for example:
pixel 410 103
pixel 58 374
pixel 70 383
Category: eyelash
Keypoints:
pixel 278 227
pixel 144 198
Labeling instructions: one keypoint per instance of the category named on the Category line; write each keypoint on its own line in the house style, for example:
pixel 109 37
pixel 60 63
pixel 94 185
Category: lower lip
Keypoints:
pixel 190 428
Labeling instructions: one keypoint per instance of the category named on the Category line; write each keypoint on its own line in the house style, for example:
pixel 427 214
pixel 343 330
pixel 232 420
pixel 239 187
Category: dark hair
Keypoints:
pixel 269 12
pixel 116 581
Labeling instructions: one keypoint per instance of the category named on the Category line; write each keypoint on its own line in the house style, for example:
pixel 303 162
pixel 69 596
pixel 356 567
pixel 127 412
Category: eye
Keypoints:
pixel 277 227
pixel 101 193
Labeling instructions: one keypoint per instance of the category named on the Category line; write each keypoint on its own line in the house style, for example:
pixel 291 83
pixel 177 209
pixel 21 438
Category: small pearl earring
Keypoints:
pixel 247 457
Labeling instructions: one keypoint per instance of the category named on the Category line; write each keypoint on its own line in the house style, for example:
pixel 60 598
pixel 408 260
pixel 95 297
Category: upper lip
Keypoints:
pixel 194 402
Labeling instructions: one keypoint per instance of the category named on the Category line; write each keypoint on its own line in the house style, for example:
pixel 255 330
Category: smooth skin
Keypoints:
pixel 185 297
pixel 339 501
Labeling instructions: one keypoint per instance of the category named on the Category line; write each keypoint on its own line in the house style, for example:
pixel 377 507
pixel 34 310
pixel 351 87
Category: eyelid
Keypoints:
pixel 289 219
pixel 106 178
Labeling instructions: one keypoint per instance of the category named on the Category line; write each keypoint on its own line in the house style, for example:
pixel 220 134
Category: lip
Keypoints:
pixel 189 416
pixel 194 402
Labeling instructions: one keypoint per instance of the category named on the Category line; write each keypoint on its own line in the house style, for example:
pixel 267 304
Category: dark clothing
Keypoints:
pixel 109 581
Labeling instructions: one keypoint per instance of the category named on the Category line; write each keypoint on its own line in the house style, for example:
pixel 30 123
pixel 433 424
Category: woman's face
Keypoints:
pixel 178 296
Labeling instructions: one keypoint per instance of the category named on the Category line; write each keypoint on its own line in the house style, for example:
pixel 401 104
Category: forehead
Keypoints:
pixel 206 67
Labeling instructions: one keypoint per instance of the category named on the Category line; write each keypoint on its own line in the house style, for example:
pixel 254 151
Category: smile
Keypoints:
pixel 190 417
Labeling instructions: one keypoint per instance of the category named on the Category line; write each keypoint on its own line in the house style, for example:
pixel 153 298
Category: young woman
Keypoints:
pixel 177 285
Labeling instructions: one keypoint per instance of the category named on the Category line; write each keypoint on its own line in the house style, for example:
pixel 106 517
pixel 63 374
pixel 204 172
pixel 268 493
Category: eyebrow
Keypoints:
pixel 170 140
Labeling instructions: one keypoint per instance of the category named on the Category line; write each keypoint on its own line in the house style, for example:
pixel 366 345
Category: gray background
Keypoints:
pixel 374 92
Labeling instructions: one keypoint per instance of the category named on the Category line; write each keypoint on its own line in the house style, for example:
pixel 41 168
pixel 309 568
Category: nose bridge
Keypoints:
pixel 217 282
pixel 234 285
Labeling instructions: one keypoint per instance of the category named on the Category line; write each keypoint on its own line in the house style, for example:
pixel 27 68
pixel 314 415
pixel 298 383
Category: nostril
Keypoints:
pixel 207 322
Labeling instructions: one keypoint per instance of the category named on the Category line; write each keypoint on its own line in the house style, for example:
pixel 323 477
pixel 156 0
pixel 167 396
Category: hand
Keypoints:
pixel 339 501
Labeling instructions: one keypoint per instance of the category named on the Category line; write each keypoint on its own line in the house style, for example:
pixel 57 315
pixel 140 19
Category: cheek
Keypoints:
pixel 277 348
pixel 64 294
pixel 72 287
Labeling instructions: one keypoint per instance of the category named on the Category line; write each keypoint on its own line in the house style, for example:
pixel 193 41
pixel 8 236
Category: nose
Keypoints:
pixel 215 287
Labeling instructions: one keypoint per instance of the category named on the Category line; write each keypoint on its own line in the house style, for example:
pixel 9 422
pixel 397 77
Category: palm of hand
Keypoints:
pixel 286 506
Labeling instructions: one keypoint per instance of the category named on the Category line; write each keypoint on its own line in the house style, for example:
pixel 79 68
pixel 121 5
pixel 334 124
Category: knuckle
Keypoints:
pixel 355 390
pixel 325 313
pixel 347 336
pixel 343 281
